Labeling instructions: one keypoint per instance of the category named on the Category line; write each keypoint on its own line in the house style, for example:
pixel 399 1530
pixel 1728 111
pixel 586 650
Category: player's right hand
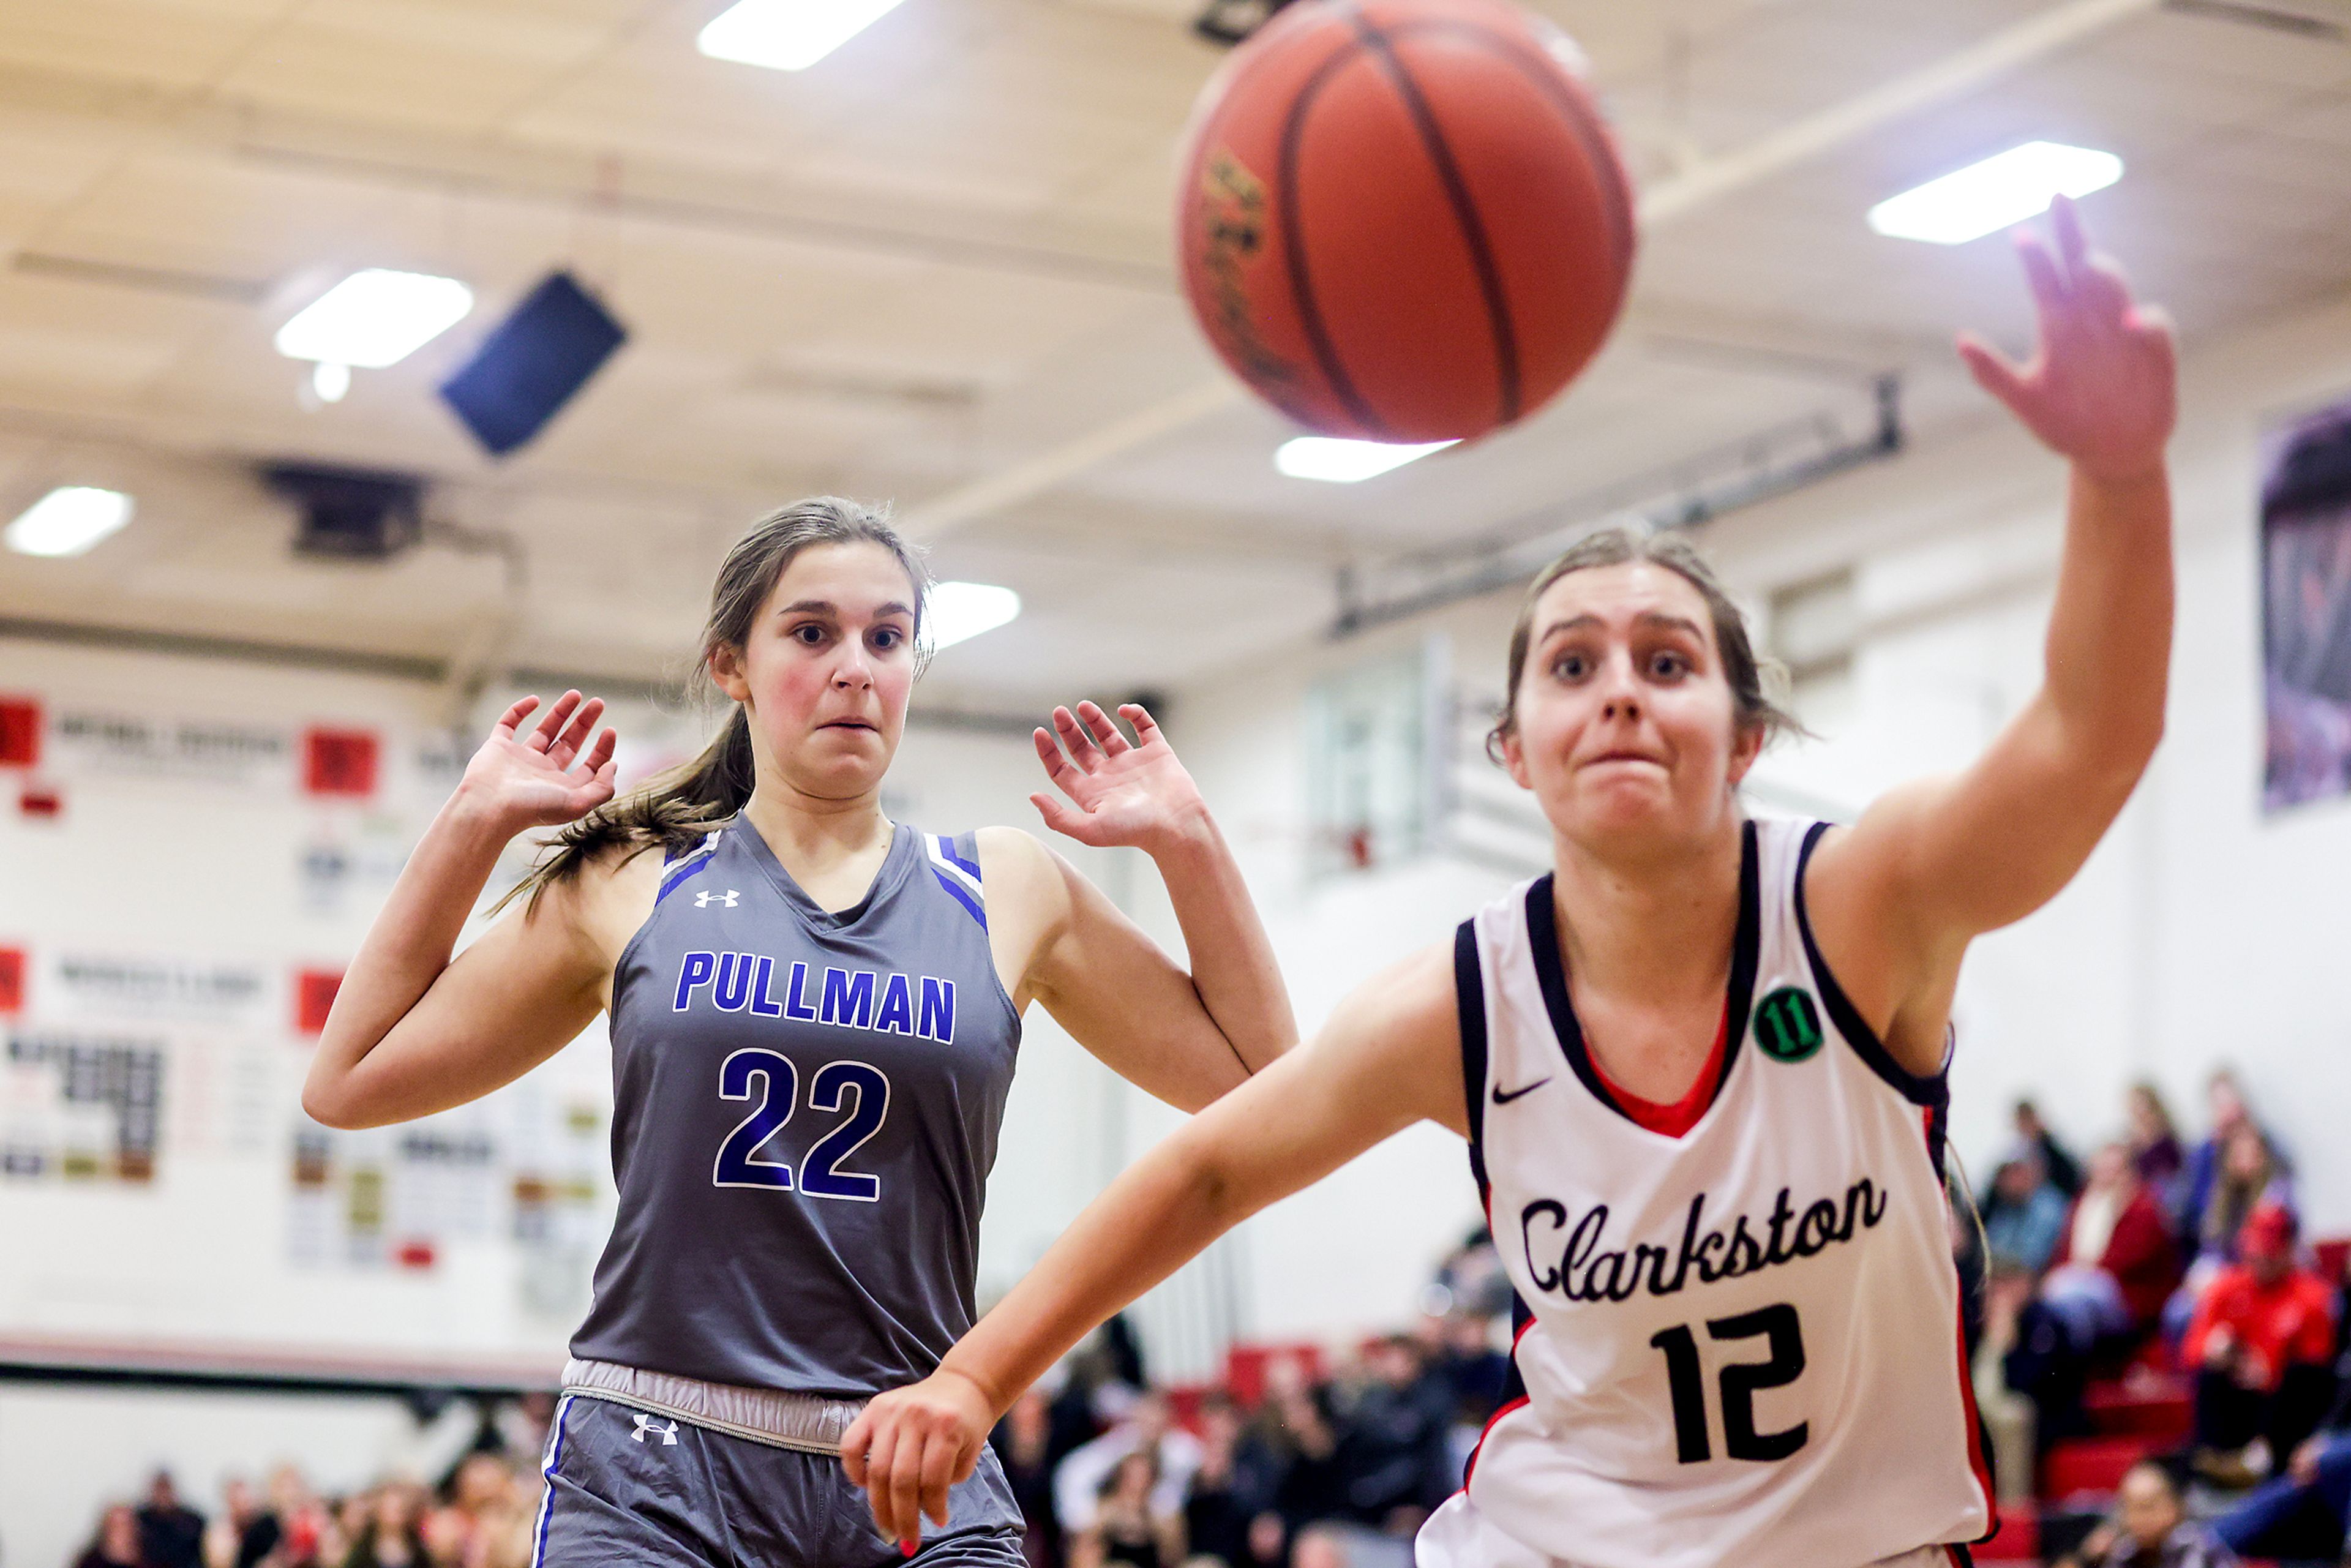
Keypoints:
pixel 910 1444
pixel 551 775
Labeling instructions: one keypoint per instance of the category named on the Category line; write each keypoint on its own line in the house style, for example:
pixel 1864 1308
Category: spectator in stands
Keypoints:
pixel 171 1533
pixel 1234 1485
pixel 2262 1344
pixel 116 1544
pixel 2149 1528
pixel 2154 1139
pixel 1296 1426
pixel 301 1518
pixel 2115 1263
pixel 1023 1444
pixel 1319 1547
pixel 2064 1172
pixel 2023 1215
pixel 1392 1448
pixel 2302 1515
pixel 2250 1174
pixel 392 1535
pixel 2225 1103
pixel 1131 1522
pixel 1150 1427
pixel 243 1532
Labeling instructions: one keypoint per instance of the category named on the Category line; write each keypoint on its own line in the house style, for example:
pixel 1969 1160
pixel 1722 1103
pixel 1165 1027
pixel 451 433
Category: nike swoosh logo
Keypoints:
pixel 1503 1097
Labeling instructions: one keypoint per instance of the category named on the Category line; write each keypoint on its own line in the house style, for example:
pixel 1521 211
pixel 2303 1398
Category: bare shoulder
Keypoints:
pixel 599 906
pixel 1023 876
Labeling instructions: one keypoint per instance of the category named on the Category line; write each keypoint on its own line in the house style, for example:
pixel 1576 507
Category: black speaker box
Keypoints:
pixel 533 363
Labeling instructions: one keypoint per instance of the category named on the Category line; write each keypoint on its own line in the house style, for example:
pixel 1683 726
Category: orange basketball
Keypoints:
pixel 1404 220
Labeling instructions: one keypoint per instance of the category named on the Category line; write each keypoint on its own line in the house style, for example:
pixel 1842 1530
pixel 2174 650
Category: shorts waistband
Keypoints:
pixel 809 1423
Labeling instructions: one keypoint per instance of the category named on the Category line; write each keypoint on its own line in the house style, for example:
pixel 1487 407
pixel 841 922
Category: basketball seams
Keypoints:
pixel 1293 243
pixel 1465 211
pixel 1607 168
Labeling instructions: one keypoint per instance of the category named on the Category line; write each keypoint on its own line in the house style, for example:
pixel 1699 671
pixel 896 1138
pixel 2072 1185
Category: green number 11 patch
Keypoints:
pixel 1787 1026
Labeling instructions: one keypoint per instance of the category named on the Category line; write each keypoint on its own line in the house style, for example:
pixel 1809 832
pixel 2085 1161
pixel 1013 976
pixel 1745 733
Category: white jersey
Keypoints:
pixel 1737 1347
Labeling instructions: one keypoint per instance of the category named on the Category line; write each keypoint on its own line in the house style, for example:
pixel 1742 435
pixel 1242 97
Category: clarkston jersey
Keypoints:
pixel 1736 1347
pixel 805 1109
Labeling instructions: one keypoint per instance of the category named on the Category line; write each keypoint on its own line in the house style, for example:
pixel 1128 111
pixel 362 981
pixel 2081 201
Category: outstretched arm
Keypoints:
pixel 1186 1037
pixel 1390 1056
pixel 410 1032
pixel 1931 865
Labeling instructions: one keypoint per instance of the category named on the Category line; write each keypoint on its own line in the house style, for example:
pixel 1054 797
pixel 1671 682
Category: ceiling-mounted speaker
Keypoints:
pixel 350 514
pixel 532 364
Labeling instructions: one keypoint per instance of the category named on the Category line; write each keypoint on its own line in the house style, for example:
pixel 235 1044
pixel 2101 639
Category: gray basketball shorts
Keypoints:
pixel 626 1487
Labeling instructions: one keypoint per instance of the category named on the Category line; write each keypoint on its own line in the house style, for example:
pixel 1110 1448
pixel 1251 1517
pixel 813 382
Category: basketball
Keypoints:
pixel 1404 220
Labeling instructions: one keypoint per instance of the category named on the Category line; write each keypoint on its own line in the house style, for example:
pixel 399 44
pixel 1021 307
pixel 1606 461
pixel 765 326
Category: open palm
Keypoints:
pixel 1118 794
pixel 551 775
pixel 2102 385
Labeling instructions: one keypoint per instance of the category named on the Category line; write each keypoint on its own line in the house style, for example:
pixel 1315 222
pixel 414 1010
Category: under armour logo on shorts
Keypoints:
pixel 668 1434
pixel 726 899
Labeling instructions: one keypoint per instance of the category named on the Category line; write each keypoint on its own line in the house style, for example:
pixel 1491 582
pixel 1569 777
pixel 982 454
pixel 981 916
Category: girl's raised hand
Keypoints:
pixel 1118 794
pixel 2101 388
pixel 551 775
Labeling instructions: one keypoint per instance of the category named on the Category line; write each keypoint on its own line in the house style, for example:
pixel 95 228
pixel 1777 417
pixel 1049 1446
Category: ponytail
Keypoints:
pixel 675 811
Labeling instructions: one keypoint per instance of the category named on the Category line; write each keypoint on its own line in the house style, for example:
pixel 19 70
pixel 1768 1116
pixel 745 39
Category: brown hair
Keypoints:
pixel 674 810
pixel 1749 675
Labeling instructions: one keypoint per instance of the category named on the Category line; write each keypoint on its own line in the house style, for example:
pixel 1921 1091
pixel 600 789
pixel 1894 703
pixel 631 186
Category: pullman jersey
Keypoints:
pixel 1736 1347
pixel 805 1110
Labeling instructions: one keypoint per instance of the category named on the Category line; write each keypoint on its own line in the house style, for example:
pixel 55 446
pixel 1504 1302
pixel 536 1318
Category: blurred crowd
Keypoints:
pixel 1300 1465
pixel 480 1515
pixel 2159 1261
pixel 1292 1466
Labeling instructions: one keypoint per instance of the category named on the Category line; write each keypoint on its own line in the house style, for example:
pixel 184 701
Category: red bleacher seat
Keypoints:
pixel 2017 1538
pixel 2092 1465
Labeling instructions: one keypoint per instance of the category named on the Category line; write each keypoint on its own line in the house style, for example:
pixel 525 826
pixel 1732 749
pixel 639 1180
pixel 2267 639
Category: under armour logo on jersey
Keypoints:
pixel 726 899
pixel 668 1434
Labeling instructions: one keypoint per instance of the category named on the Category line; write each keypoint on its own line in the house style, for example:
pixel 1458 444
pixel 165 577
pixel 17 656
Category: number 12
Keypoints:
pixel 1741 1380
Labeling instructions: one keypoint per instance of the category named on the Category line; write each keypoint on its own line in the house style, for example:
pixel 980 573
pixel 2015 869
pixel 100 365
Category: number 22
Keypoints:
pixel 857 1087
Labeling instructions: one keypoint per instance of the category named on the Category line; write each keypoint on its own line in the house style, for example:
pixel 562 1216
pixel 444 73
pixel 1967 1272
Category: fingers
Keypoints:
pixel 2041 276
pixel 575 735
pixel 881 1445
pixel 599 762
pixel 1993 371
pixel 940 1461
pixel 1147 728
pixel 543 737
pixel 1064 820
pixel 905 1487
pixel 2073 244
pixel 511 720
pixel 1100 728
pixel 1057 766
pixel 1078 739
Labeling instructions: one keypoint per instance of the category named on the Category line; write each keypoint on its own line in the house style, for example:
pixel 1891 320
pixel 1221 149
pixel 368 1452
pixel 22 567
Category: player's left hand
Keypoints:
pixel 2102 386
pixel 908 1446
pixel 1137 795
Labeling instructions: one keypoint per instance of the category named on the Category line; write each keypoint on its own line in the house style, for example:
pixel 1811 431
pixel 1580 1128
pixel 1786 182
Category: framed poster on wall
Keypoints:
pixel 2306 608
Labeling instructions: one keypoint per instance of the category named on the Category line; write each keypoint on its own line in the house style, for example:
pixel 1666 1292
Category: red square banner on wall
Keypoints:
pixel 12 982
pixel 339 762
pixel 20 732
pixel 314 997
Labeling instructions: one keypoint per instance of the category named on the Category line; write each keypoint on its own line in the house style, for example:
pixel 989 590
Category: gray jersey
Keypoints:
pixel 805 1110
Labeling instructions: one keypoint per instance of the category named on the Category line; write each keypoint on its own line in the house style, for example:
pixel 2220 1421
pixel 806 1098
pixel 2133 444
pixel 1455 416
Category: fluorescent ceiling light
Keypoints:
pixel 69 520
pixel 375 319
pixel 2001 190
pixel 788 35
pixel 1344 462
pixel 957 611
